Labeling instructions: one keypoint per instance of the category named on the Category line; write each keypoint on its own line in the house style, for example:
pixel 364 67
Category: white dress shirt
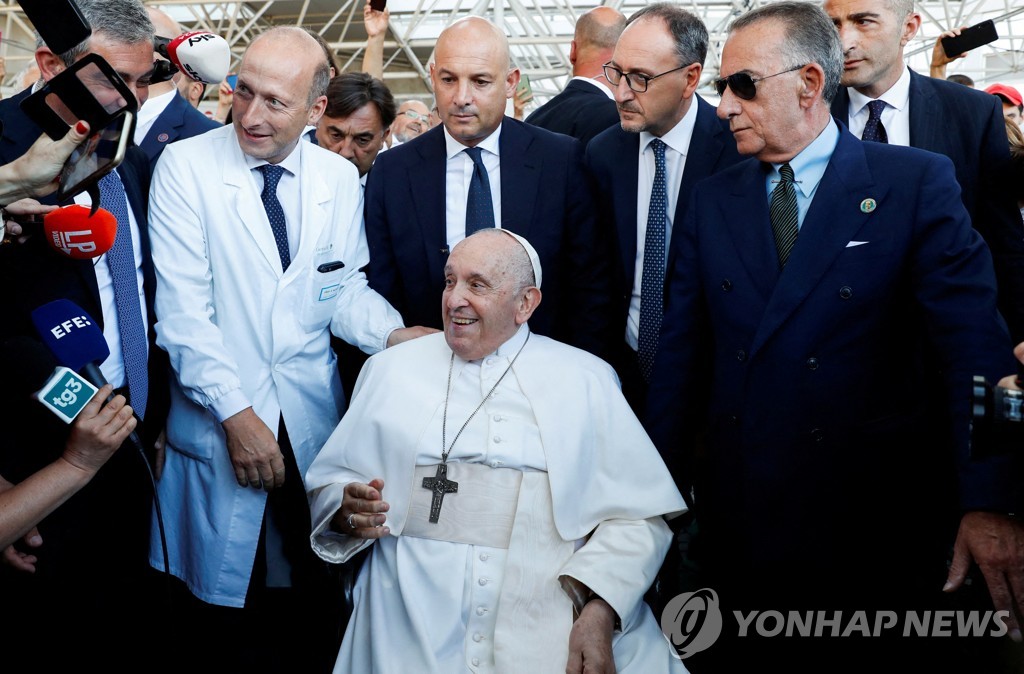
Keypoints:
pixel 895 116
pixel 288 193
pixel 147 114
pixel 678 144
pixel 457 176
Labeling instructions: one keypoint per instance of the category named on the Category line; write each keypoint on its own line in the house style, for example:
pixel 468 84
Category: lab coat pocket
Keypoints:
pixel 191 429
pixel 321 296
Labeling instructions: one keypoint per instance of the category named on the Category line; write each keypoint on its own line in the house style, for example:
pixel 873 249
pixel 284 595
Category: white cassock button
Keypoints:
pixel 476 662
pixel 497 439
pixel 277 368
pixel 480 610
pixel 478 638
pixel 482 581
pixel 497 417
pixel 497 464
pixel 489 361
pixel 484 556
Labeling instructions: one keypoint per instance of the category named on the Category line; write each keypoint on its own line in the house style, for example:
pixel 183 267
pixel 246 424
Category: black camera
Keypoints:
pixel 996 405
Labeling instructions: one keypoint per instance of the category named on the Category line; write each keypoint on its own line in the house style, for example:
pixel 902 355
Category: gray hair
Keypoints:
pixel 517 264
pixel 688 31
pixel 901 8
pixel 809 37
pixel 125 21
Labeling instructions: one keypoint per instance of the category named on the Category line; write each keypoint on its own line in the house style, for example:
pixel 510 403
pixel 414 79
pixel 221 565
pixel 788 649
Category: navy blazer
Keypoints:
pixel 547 197
pixel 613 159
pixel 178 120
pixel 581 110
pixel 967 126
pixel 814 408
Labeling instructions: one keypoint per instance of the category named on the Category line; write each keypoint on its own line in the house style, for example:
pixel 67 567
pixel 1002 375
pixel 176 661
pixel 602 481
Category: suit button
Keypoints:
pixel 741 355
pixel 726 285
pixel 812 363
pixel 846 292
pixel 817 435
pixel 734 420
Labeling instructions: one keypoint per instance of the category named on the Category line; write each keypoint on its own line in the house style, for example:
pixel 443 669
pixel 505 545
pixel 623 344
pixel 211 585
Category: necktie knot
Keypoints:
pixel 476 154
pixel 271 175
pixel 658 145
pixel 786 171
pixel 874 130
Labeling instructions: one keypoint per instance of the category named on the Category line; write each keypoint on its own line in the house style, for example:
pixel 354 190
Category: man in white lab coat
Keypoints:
pixel 258 243
pixel 523 490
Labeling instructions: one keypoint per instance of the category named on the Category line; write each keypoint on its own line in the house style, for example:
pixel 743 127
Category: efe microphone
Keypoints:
pixel 76 341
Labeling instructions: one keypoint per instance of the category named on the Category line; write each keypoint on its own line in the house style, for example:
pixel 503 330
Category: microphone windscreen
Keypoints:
pixel 70 333
pixel 72 231
pixel 203 56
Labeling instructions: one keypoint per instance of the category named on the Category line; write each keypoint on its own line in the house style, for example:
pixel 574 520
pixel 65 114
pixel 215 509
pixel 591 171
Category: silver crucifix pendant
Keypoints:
pixel 440 485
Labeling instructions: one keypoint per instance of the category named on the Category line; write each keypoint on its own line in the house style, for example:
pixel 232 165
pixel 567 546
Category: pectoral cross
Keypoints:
pixel 440 485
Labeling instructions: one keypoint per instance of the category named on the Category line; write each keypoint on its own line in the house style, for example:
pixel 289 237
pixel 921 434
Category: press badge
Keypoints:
pixel 329 292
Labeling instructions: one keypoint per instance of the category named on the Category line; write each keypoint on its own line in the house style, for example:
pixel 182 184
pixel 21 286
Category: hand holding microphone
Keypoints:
pixel 203 56
pixel 34 174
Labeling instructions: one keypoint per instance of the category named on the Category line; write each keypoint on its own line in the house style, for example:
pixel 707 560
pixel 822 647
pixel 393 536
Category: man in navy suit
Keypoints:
pixel 586 107
pixel 655 70
pixel 482 169
pixel 167 115
pixel 807 279
pixel 962 123
pixel 92 558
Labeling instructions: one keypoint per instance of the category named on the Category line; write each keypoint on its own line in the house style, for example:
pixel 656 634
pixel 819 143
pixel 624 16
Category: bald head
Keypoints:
pixel 406 127
pixel 301 49
pixel 597 31
pixel 472 78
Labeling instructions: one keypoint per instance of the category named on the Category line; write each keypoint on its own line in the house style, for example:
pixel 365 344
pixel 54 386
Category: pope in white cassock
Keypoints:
pixel 516 503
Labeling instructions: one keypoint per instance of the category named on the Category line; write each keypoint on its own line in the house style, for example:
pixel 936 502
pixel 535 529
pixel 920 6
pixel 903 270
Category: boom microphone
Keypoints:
pixel 71 230
pixel 203 56
pixel 75 340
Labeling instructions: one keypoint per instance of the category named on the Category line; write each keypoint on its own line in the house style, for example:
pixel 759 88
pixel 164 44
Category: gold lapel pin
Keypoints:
pixel 868 205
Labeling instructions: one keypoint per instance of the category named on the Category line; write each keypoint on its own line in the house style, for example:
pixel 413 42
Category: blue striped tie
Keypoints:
pixel 784 214
pixel 123 274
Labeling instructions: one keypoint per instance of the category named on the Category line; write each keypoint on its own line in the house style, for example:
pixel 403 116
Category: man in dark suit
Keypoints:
pixel 167 115
pixel 482 169
pixel 586 107
pixel 963 124
pixel 807 278
pixel 92 558
pixel 660 38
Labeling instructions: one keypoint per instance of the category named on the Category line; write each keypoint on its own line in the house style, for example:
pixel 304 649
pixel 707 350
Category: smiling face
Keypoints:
pixel 271 104
pixel 873 37
pixel 472 79
pixel 484 300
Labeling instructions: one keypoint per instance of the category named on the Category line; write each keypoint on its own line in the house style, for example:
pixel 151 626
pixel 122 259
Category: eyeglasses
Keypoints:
pixel 418 116
pixel 743 85
pixel 635 81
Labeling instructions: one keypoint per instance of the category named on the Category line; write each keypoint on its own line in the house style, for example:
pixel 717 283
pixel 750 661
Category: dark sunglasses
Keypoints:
pixel 745 86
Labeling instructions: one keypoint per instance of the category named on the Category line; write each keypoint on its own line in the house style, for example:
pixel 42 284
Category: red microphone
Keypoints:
pixel 203 56
pixel 72 231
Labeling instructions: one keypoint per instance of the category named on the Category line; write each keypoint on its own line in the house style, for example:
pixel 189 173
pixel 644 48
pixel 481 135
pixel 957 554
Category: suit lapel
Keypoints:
pixel 625 163
pixel 834 218
pixel 168 123
pixel 315 196
pixel 924 122
pixel 520 178
pixel 427 174
pixel 746 218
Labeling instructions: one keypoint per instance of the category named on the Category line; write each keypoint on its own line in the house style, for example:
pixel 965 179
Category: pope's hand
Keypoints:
pixel 254 451
pixel 590 641
pixel 362 511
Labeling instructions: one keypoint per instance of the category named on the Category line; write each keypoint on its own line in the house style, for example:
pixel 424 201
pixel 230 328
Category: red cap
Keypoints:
pixel 1005 91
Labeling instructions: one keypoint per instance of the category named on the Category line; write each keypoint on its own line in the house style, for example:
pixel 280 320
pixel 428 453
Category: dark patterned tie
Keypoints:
pixel 874 130
pixel 784 214
pixel 652 280
pixel 271 176
pixel 124 276
pixel 479 207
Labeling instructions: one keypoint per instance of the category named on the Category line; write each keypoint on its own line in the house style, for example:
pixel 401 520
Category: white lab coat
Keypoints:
pixel 240 333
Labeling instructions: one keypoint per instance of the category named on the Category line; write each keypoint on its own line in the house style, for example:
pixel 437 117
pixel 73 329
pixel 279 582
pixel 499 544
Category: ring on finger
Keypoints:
pixel 351 523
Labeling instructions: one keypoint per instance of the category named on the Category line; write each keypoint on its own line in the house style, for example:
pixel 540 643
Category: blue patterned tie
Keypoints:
pixel 784 214
pixel 479 208
pixel 271 176
pixel 652 284
pixel 121 262
pixel 873 130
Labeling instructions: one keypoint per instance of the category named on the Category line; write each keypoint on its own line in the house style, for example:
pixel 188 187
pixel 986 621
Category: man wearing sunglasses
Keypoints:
pixel 932 114
pixel 654 72
pixel 804 283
